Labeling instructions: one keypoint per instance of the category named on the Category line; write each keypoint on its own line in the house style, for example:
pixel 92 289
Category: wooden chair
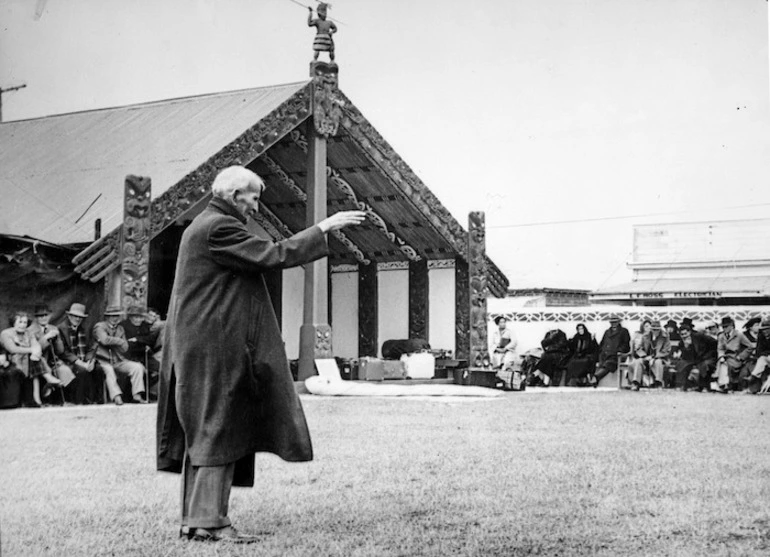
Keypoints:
pixel 624 363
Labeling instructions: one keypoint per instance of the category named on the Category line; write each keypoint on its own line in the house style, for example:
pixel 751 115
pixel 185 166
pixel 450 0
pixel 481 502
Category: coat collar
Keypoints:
pixel 222 206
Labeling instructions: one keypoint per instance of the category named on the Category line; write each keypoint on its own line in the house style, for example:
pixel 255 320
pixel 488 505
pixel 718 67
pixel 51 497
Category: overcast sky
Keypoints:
pixel 535 111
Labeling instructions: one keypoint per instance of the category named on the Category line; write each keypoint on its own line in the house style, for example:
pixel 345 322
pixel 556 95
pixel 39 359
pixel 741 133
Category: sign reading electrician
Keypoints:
pixel 662 295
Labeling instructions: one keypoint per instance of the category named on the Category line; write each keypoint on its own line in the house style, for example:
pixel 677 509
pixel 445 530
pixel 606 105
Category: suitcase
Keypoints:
pixel 394 369
pixel 371 369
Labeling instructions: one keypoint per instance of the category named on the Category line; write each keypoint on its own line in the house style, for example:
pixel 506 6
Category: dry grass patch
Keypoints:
pixel 580 473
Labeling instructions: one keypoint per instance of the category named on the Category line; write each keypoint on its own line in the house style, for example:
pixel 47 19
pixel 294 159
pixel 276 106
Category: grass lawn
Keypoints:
pixel 580 473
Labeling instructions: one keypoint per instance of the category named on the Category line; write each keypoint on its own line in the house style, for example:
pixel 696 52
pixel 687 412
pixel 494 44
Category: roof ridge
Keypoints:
pixel 158 102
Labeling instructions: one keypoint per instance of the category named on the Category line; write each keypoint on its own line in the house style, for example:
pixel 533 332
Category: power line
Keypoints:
pixel 619 217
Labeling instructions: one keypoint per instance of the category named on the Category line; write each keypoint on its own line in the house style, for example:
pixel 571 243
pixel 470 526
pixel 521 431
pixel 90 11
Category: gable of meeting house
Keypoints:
pixel 62 181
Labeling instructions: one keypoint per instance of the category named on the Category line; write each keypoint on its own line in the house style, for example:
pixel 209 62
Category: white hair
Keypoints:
pixel 235 178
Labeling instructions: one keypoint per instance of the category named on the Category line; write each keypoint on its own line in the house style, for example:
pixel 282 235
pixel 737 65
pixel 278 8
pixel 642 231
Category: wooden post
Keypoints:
pixel 419 290
pixel 315 335
pixel 367 310
pixel 135 242
pixel 462 318
pixel 478 289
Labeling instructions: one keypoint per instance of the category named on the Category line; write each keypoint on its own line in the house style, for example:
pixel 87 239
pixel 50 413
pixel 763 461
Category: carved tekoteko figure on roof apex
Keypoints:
pixel 324 30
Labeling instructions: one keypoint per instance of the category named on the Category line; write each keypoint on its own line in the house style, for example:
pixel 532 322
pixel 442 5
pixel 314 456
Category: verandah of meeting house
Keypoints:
pixel 407 273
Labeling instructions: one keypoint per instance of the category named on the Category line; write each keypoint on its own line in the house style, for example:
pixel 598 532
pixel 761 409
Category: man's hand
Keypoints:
pixel 52 334
pixel 341 220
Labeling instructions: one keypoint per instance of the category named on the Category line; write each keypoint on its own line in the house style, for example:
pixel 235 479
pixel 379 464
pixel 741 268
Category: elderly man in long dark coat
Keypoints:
pixel 226 391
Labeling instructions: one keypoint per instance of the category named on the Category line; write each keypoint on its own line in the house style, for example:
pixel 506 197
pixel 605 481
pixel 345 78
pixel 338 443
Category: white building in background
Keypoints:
pixel 696 264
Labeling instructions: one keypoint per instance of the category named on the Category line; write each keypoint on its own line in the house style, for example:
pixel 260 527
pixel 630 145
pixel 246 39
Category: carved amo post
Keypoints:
pixel 315 336
pixel 135 242
pixel 478 289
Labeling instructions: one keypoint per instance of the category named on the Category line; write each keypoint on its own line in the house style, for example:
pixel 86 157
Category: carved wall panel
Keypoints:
pixel 367 310
pixel 419 290
pixel 462 306
pixel 323 342
pixel 135 242
pixel 478 289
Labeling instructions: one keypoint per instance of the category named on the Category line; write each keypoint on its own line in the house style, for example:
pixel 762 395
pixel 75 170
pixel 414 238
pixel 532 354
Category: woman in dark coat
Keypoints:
pixel 583 351
pixel 226 391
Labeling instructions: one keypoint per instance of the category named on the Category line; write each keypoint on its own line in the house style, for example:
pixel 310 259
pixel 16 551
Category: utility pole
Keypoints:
pixel 8 90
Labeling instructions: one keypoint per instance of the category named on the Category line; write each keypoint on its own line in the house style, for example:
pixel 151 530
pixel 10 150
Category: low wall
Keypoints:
pixel 531 324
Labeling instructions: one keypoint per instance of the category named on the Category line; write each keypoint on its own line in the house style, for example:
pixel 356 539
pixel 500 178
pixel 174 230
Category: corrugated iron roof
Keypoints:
pixel 54 168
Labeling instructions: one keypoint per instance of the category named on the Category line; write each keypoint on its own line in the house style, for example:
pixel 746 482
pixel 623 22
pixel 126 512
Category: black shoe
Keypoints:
pixel 185 532
pixel 226 534
pixel 635 386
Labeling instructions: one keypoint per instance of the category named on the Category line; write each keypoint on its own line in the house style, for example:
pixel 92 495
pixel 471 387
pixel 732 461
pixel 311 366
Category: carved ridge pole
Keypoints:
pixel 315 335
pixel 478 289
pixel 135 242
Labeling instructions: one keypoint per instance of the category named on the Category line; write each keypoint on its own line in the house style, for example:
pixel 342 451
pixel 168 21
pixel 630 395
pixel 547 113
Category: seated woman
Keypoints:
pixel 25 353
pixel 11 379
pixel 555 353
pixel 637 349
pixel 582 360
pixel 503 346
pixel 751 330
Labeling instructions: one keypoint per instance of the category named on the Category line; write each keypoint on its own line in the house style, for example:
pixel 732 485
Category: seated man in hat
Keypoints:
pixel 79 355
pixel 111 347
pixel 733 349
pixel 760 377
pixel 49 338
pixel 697 360
pixel 616 340
pixel 141 341
pixel 654 355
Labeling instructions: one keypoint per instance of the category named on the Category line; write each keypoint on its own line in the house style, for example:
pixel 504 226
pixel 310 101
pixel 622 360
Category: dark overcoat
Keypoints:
pixel 226 391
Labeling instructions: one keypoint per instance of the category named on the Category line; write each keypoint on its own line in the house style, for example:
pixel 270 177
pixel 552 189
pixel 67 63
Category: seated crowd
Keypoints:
pixel 65 363
pixel 674 356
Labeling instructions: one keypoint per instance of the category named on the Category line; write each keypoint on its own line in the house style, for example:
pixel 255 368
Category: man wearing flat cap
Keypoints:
pixel 733 349
pixel 697 360
pixel 49 338
pixel 226 391
pixel 141 340
pixel 79 354
pixel 616 340
pixel 111 347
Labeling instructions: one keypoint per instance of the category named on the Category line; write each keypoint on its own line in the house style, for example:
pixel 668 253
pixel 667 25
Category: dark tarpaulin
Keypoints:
pixel 36 272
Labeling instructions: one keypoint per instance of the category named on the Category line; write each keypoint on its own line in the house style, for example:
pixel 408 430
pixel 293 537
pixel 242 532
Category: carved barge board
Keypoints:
pixel 390 163
pixel 255 141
